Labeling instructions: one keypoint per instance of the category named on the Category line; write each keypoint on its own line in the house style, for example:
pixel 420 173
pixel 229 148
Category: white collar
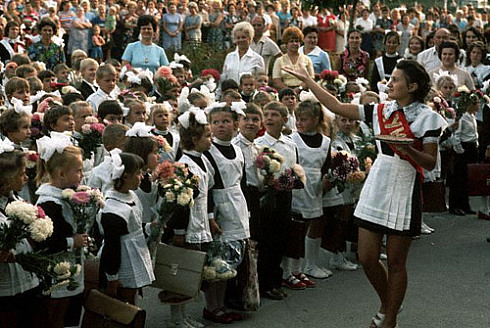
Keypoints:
pixel 244 139
pixel 315 52
pixel 272 140
pixel 193 153
pixel 221 142
pixel 91 84
pixel 122 197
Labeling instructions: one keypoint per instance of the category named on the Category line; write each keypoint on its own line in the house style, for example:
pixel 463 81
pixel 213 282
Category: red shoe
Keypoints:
pixel 483 216
pixel 304 279
pixel 218 316
pixel 293 283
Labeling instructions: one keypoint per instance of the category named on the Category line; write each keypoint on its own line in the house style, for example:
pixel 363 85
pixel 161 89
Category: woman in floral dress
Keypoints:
pixel 46 50
pixel 354 62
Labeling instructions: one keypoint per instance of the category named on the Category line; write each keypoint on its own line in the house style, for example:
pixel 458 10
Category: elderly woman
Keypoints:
pixel 292 38
pixel 319 58
pixel 46 50
pixel 243 59
pixel 145 54
pixel 449 54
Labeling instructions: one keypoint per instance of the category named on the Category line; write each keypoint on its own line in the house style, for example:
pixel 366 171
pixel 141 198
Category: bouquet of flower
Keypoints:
pixel 91 138
pixel 463 98
pixel 85 202
pixel 344 169
pixel 291 178
pixel 268 161
pixel 24 221
pixel 334 78
pixel 53 270
pixel 365 152
pixel 443 108
pixel 37 126
pixel 163 143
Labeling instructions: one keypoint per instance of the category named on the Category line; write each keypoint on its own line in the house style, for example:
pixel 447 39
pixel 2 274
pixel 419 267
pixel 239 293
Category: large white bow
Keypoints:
pixel 199 115
pixel 47 146
pixel 213 106
pixel 307 96
pixel 20 108
pixel 133 78
pixel 125 109
pixel 42 93
pixel 238 107
pixel 140 129
pixel 6 146
pixel 174 65
pixel 178 58
pixel 445 73
pixel 117 165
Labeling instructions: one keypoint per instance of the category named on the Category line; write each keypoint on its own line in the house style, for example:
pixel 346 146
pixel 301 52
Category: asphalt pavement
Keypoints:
pixel 448 273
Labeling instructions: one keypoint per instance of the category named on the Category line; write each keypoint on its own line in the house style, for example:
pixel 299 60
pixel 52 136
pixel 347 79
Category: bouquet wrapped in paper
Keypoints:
pixel 344 169
pixel 24 221
pixel 91 137
pixel 85 202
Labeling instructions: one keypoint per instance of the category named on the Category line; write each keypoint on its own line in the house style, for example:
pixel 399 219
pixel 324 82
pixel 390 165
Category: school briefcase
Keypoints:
pixel 478 179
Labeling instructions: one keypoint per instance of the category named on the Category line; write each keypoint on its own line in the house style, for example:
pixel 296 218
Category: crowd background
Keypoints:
pixel 145 69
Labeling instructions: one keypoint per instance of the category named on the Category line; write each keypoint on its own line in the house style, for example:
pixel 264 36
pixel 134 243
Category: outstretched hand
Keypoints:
pixel 300 73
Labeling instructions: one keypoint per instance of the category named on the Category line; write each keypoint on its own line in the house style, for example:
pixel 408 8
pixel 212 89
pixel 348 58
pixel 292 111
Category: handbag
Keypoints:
pixel 103 311
pixel 178 270
pixel 478 180
pixel 434 197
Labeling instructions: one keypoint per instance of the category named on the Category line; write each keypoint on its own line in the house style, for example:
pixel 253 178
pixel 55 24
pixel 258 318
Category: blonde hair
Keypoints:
pixel 87 62
pixel 315 110
pixel 46 170
pixel 157 109
pixel 367 94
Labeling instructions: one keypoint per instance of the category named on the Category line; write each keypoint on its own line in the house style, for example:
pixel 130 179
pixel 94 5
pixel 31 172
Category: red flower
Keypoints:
pixel 40 213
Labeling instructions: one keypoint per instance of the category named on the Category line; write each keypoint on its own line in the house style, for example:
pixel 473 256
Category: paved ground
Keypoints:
pixel 449 276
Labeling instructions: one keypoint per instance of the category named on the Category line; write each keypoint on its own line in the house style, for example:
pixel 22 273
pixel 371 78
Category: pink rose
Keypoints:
pixel 40 213
pixel 98 127
pixel 86 129
pixel 81 198
pixel 260 162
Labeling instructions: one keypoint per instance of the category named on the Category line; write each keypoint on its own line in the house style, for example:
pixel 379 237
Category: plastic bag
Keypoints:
pixel 223 259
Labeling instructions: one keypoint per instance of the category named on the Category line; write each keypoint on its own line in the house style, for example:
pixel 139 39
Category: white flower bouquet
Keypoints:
pixel 268 161
pixel 24 221
pixel 85 202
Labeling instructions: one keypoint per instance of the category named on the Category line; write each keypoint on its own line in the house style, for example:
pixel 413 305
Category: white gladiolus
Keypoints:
pixel 23 211
pixel 464 88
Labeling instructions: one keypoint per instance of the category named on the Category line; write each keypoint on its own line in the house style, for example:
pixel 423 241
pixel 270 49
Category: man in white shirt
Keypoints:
pixel 262 44
pixel 308 20
pixel 429 58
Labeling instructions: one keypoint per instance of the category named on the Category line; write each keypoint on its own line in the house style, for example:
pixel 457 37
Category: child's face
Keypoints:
pixel 228 99
pixel 73 173
pixel 203 143
pixel 80 116
pixel 250 125
pixel 161 120
pixel 153 159
pixel 18 180
pixel 345 125
pixel 223 126
pixel 62 76
pixel 47 83
pixel 274 121
pixel 290 102
pixel 262 81
pixel 112 119
pixel 89 73
pixel 174 92
pixel 96 30
pixel 181 78
pixel 24 131
pixel 306 123
pixel 247 86
pixel 22 94
pixel 447 89
pixel 107 83
pixel 64 123
pixel 201 103
pixel 136 114
pixel 132 181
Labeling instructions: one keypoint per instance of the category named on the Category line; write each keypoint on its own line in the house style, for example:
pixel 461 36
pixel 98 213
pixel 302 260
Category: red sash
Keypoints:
pixel 397 125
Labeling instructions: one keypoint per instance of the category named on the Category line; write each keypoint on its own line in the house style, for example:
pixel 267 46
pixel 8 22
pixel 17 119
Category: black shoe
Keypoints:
pixel 272 294
pixel 457 211
pixel 469 212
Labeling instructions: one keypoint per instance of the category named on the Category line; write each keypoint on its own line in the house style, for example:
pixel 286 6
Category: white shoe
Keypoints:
pixel 342 264
pixel 425 226
pixel 327 271
pixel 316 272
pixel 383 256
pixel 179 324
pixel 191 322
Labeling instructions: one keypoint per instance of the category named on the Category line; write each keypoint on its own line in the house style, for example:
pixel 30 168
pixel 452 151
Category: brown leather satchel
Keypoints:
pixel 103 311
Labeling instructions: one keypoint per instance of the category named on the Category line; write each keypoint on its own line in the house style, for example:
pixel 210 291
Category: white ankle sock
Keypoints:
pixel 312 247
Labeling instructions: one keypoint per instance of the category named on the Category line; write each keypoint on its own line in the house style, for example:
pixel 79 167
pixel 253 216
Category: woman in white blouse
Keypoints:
pixel 476 52
pixel 243 59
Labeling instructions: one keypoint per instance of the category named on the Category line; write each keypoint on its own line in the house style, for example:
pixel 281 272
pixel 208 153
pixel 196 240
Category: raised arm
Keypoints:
pixel 333 104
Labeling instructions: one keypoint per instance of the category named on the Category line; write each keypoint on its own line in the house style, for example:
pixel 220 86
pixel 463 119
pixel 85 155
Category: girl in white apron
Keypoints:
pixel 17 286
pixel 314 156
pixel 384 65
pixel 161 118
pixel 61 167
pixel 230 206
pixel 125 260
pixel 390 202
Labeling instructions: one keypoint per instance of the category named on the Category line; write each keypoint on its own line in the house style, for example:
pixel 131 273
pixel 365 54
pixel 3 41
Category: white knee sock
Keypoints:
pixel 485 204
pixel 286 267
pixel 312 247
pixel 296 266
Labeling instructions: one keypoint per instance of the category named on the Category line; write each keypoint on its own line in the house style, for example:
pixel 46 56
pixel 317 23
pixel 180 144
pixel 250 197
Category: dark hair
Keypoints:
pixel 10 164
pixel 429 38
pixel 71 98
pixel 195 130
pixel 228 84
pixel 391 34
pixel 224 109
pixel 145 20
pixel 10 121
pixel 46 21
pixel 46 74
pixel 286 92
pixel 475 31
pixel 21 59
pixel 54 113
pixel 132 163
pixel 145 83
pixel 354 30
pixel 477 44
pixel 25 69
pixel 309 29
pixel 109 107
pixel 16 83
pixel 416 73
pixel 451 45
pixel 9 26
pixel 141 146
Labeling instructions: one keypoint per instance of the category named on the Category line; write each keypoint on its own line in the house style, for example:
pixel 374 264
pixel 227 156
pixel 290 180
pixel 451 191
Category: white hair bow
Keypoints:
pixel 199 115
pixel 146 73
pixel 238 107
pixel 6 146
pixel 176 65
pixel 167 105
pixel 363 83
pixel 182 101
pixel 213 106
pixel 133 78
pixel 178 58
pixel 382 87
pixel 139 129
pixel 20 108
pixel 43 93
pixel 47 146
pixel 125 109
pixel 117 165
pixel 148 106
pixel 307 96
pixel 124 69
pixel 445 73
pixel 485 86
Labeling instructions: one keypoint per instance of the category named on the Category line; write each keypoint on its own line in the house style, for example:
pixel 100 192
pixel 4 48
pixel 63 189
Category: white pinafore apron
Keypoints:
pixel 308 201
